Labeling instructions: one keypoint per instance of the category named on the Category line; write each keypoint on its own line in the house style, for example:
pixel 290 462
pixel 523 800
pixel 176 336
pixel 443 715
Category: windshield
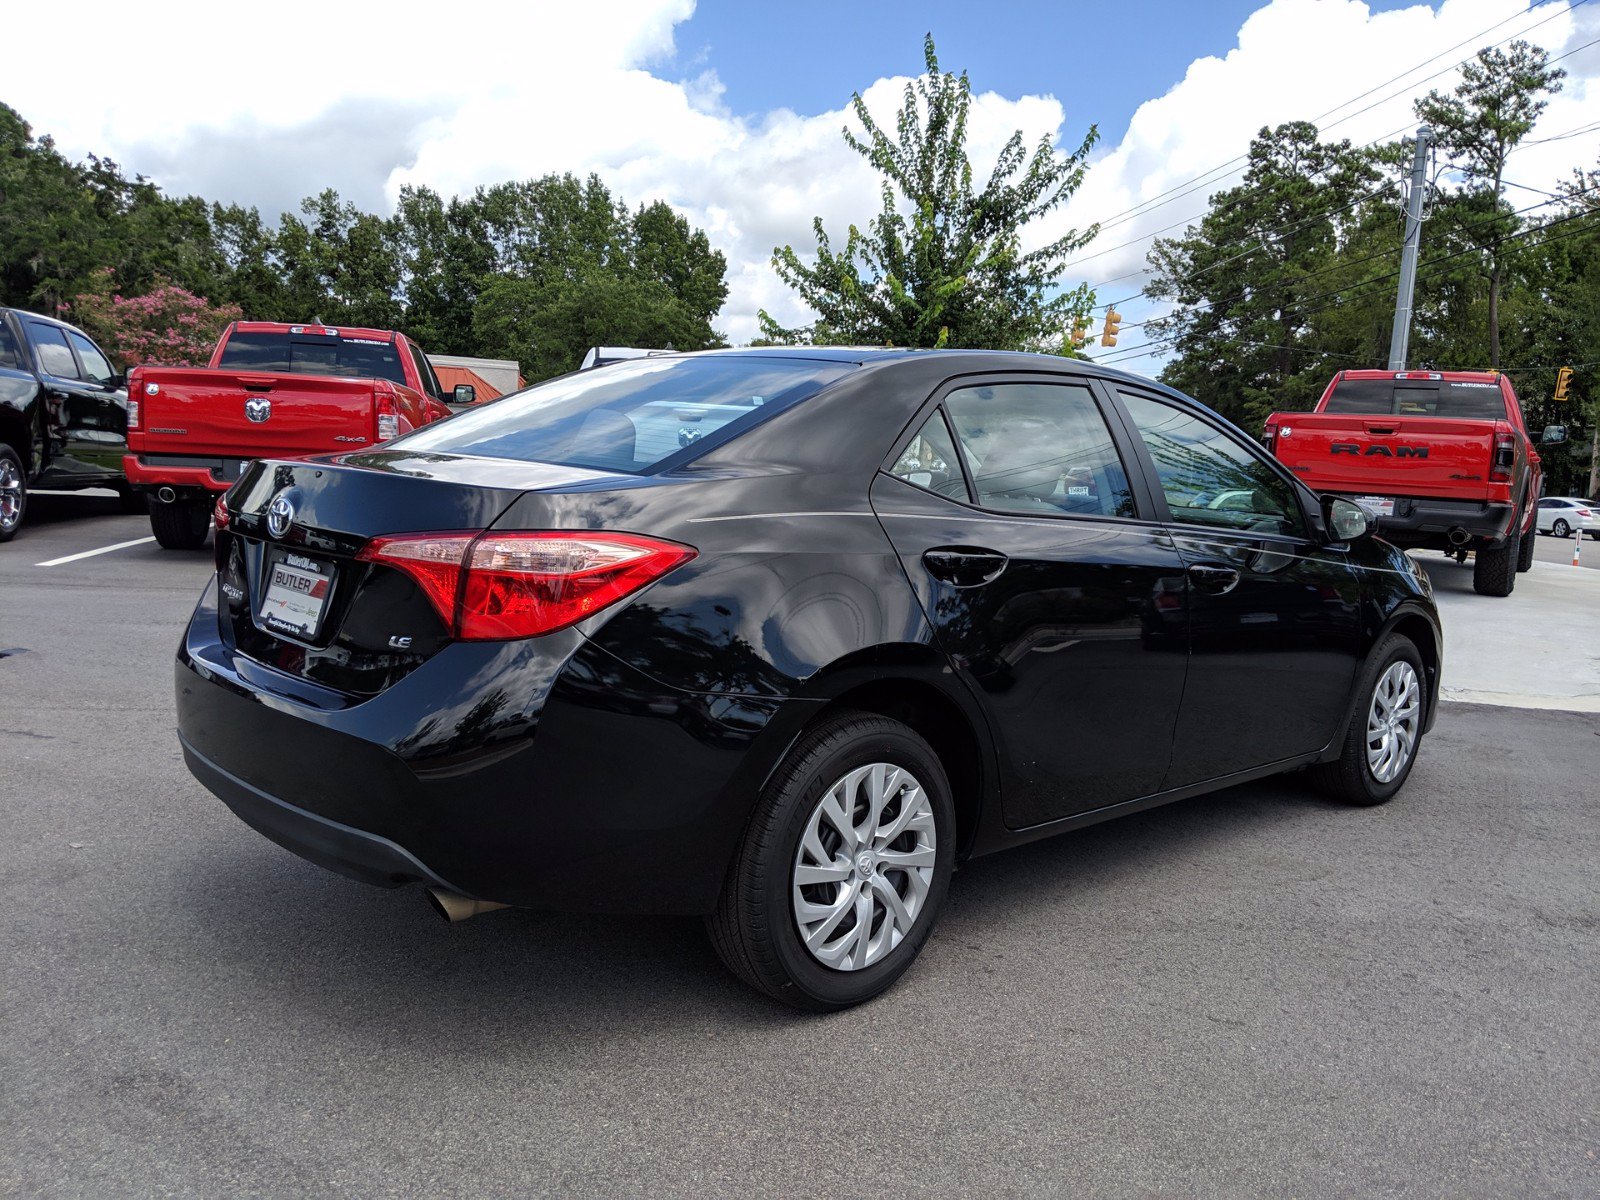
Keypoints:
pixel 313 354
pixel 1418 398
pixel 632 416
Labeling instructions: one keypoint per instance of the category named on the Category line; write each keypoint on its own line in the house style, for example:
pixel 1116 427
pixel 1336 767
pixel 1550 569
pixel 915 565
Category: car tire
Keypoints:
pixel 1362 775
pixel 13 493
pixel 1561 529
pixel 181 524
pixel 794 861
pixel 1494 571
pixel 1525 549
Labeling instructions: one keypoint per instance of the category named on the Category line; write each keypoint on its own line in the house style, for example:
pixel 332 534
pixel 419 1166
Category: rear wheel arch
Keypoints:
pixel 1411 624
pixel 901 684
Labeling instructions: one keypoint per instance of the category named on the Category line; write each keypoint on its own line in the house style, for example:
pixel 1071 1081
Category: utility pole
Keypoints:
pixel 1400 338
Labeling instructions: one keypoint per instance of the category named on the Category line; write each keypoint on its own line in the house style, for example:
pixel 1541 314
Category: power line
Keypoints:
pixel 1147 205
pixel 1180 190
pixel 1345 293
pixel 1466 227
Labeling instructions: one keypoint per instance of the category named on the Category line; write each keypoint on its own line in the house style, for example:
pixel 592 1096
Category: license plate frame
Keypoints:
pixel 295 595
pixel 1381 506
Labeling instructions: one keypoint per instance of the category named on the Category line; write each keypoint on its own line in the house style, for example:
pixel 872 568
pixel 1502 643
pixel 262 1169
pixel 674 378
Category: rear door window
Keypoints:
pixel 929 460
pixel 633 416
pixel 55 356
pixel 1039 448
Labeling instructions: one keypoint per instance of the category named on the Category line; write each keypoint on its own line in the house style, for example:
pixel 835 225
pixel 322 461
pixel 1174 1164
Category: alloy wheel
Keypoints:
pixel 1393 721
pixel 1561 529
pixel 10 495
pixel 864 865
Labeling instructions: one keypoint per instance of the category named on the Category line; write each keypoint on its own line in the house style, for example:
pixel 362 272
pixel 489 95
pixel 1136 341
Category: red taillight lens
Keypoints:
pixel 219 512
pixel 1269 438
pixel 498 586
pixel 388 413
pixel 1505 457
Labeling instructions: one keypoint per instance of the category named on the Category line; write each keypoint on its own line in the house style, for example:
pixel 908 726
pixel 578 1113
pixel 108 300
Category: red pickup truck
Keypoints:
pixel 1442 457
pixel 270 391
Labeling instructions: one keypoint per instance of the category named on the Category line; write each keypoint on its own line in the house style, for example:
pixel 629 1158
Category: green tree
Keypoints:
pixel 1478 125
pixel 1248 279
pixel 942 264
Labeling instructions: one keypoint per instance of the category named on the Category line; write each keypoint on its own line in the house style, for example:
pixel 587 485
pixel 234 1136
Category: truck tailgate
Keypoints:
pixel 241 414
pixel 1388 456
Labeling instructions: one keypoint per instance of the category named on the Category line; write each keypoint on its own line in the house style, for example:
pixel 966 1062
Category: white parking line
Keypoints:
pixel 56 562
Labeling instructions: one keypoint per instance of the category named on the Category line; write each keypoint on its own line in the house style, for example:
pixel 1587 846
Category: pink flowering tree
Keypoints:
pixel 169 325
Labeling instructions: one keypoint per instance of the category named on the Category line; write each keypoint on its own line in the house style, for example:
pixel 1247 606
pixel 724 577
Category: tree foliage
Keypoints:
pixel 169 325
pixel 525 270
pixel 942 264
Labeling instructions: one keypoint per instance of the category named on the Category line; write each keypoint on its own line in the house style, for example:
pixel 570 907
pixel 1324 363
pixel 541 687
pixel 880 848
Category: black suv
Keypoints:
pixel 63 415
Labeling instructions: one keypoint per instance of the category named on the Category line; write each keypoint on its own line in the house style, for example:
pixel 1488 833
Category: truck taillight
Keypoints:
pixel 1269 438
pixel 1505 457
pixel 133 413
pixel 388 426
pixel 500 586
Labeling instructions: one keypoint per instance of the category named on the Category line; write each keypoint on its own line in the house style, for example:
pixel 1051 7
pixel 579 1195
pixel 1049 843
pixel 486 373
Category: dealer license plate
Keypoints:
pixel 1382 506
pixel 297 595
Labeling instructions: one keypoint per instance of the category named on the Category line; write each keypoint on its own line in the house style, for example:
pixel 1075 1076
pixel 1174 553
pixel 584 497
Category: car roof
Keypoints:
pixel 971 360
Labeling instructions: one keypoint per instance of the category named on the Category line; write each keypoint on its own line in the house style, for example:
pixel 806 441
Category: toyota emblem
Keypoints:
pixel 258 408
pixel 279 514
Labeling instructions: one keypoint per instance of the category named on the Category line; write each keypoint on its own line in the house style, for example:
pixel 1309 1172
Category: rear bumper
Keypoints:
pixel 1428 523
pixel 597 790
pixel 183 471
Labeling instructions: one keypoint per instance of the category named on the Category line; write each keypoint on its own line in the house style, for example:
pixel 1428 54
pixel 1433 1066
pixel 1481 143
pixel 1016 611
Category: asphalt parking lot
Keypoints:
pixel 1254 992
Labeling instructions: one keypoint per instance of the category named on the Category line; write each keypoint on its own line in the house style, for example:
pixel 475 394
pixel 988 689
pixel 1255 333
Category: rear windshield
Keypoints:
pixel 631 416
pixel 1418 398
pixel 313 354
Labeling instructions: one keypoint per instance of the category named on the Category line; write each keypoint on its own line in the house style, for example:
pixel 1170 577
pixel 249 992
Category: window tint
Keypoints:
pixel 312 354
pixel 1208 477
pixel 430 381
pixel 630 416
pixel 929 460
pixel 10 352
pixel 1417 398
pixel 94 363
pixel 1040 448
pixel 55 356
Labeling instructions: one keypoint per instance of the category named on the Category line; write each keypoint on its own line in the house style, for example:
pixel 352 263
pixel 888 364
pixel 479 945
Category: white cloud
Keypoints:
pixel 263 109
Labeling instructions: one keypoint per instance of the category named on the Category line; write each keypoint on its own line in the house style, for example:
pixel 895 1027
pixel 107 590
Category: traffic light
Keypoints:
pixel 1108 334
pixel 1563 384
pixel 1080 333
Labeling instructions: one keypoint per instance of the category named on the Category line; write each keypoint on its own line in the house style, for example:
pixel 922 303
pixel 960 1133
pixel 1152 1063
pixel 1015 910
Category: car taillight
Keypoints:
pixel 219 518
pixel 1269 438
pixel 1505 457
pixel 388 415
pixel 498 586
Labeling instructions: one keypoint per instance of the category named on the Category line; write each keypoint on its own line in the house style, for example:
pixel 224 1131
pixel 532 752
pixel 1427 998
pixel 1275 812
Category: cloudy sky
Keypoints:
pixel 732 112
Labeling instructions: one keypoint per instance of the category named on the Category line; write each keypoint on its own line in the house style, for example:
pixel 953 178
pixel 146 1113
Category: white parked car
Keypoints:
pixel 1561 515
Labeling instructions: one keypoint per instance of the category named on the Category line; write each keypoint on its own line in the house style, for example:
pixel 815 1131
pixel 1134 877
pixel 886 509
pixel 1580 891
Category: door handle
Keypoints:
pixel 1213 579
pixel 964 566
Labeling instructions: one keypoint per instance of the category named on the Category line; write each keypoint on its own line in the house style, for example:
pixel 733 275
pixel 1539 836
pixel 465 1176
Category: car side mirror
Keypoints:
pixel 1345 520
pixel 464 393
pixel 1554 435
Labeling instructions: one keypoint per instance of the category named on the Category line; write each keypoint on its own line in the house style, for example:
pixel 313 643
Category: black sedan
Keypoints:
pixel 781 636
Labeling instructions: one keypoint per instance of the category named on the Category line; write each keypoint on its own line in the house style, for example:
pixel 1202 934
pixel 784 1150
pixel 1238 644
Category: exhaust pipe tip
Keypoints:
pixel 166 495
pixel 454 907
pixel 1458 536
